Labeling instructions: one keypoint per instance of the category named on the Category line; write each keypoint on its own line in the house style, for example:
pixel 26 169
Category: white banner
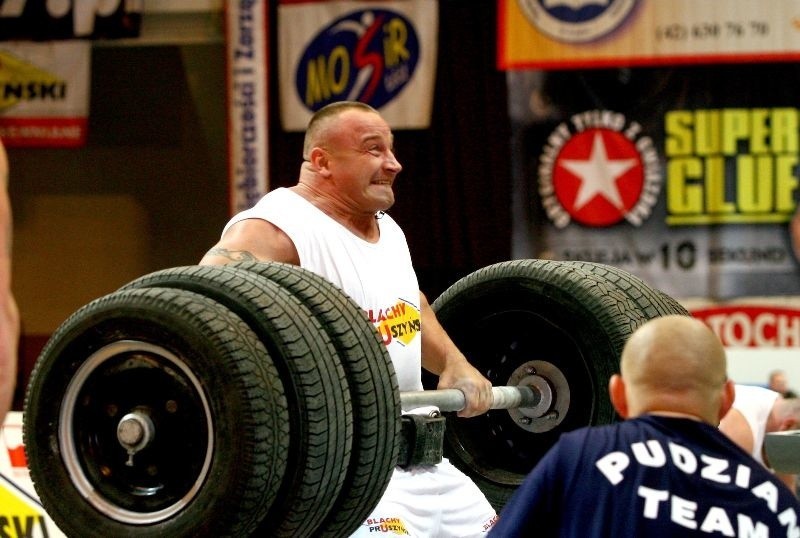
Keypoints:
pixel 380 53
pixel 246 35
pixel 44 93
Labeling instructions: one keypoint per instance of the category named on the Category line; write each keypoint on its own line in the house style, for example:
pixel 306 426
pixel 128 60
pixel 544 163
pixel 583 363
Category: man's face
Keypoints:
pixel 362 161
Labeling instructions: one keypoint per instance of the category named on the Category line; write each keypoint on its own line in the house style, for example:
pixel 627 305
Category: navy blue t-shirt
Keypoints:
pixel 649 476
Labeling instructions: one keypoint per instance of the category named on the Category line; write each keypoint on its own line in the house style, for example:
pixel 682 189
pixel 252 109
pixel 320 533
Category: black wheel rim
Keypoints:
pixel 496 445
pixel 136 432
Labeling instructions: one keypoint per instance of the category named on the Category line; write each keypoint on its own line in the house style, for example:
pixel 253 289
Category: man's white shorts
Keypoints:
pixel 433 501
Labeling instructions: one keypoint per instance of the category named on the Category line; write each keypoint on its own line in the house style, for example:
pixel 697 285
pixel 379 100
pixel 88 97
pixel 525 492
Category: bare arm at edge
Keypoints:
pixel 9 313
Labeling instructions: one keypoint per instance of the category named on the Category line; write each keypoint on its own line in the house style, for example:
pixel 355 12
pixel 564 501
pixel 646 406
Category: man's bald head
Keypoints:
pixel 674 364
pixel 322 119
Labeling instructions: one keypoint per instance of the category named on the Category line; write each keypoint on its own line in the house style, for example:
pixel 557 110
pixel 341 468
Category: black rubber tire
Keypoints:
pixel 321 419
pixel 219 400
pixel 508 314
pixel 656 302
pixel 373 389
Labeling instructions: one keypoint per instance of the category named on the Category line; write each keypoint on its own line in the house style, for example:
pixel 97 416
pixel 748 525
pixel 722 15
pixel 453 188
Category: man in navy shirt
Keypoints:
pixel 664 471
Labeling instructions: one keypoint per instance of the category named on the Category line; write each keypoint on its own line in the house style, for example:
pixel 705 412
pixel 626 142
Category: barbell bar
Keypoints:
pixel 536 398
pixel 455 399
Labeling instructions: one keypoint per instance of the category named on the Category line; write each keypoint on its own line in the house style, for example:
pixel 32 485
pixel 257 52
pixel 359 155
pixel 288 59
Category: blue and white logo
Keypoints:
pixel 367 56
pixel 577 21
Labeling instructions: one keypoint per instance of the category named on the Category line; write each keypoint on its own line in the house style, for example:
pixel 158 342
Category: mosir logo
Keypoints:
pixel 577 21
pixel 598 170
pixel 366 56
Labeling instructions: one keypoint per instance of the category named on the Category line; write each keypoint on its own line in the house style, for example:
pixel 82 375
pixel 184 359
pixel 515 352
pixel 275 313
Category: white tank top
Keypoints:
pixel 755 404
pixel 378 276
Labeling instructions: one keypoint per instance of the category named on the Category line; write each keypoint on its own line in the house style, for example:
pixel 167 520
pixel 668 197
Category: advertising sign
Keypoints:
pixel 684 176
pixel 21 513
pixel 559 34
pixel 381 53
pixel 44 93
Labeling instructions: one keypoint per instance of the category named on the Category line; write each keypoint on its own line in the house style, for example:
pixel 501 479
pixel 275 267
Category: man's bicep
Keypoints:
pixel 252 240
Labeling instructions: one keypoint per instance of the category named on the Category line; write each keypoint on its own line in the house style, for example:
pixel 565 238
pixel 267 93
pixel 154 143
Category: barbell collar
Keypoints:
pixel 454 400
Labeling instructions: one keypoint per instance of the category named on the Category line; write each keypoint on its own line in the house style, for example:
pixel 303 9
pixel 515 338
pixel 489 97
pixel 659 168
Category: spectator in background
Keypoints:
pixel 9 315
pixel 780 384
pixel 756 412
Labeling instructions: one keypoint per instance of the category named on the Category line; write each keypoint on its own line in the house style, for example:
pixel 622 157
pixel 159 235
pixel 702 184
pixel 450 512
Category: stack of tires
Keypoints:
pixel 258 399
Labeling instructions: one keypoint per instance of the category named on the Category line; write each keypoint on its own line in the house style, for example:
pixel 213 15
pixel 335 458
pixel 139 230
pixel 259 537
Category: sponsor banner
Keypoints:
pixel 752 322
pixel 557 34
pixel 247 69
pixel 760 335
pixel 382 53
pixel 69 19
pixel 21 513
pixel 687 178
pixel 44 93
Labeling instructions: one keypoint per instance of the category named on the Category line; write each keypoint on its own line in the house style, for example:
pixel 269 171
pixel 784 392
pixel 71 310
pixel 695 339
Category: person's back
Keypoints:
pixel 649 476
pixel 666 470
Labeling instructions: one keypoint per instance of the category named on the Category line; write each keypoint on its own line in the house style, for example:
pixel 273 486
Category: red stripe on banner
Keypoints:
pixel 659 61
pixel 43 132
pixel 502 32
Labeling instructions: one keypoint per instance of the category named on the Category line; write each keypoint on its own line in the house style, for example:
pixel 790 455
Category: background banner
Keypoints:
pixel 69 19
pixel 549 34
pixel 381 53
pixel 760 335
pixel 44 93
pixel 247 70
pixel 685 176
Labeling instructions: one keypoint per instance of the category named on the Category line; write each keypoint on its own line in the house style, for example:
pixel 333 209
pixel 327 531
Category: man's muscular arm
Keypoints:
pixel 9 313
pixel 441 356
pixel 252 240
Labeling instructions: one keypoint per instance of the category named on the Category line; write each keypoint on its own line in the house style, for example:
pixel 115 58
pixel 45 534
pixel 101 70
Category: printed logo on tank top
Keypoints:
pixel 391 525
pixel 396 323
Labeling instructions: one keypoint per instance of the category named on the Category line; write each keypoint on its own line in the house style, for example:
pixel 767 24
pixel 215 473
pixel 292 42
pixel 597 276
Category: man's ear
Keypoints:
pixel 728 395
pixel 318 158
pixel 616 391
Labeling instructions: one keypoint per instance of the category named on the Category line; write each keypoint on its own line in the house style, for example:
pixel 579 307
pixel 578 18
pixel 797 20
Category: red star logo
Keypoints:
pixel 598 177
